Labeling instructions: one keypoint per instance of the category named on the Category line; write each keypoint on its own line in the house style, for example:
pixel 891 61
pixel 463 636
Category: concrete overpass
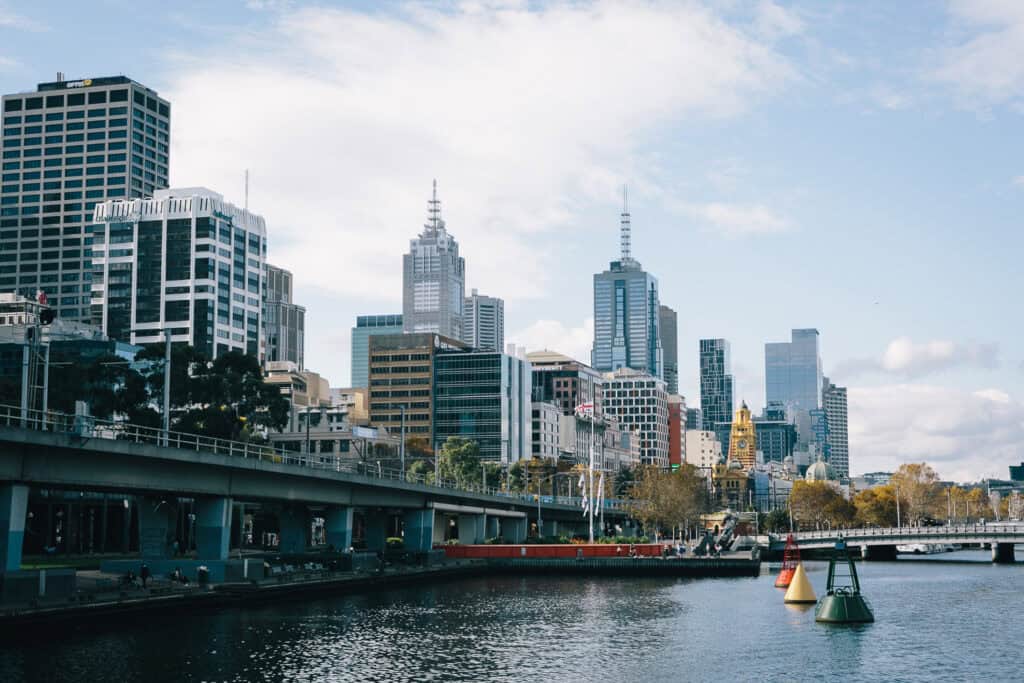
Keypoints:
pixel 880 543
pixel 76 454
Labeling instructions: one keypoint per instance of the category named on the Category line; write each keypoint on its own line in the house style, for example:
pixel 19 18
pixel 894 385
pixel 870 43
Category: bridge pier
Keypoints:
pixel 419 529
pixel 1002 553
pixel 375 529
pixel 550 528
pixel 293 521
pixel 514 529
pixel 338 527
pixel 492 528
pixel 13 511
pixel 878 553
pixel 213 528
pixel 471 528
pixel 156 527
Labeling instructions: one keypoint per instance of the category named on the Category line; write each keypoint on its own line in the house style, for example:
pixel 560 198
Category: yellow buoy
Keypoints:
pixel 800 590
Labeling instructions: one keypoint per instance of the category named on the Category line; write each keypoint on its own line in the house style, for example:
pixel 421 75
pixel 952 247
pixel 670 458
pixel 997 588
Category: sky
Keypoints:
pixel 855 167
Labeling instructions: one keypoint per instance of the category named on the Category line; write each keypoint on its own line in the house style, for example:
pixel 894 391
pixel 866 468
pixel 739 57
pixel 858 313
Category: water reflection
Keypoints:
pixel 567 629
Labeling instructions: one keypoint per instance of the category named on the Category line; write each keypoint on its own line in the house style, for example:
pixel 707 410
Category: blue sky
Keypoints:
pixel 854 167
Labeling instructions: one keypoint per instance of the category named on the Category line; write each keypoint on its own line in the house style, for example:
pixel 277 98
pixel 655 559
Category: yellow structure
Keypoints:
pixel 743 439
pixel 800 591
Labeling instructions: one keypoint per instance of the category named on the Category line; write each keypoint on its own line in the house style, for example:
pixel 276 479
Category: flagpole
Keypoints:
pixel 593 418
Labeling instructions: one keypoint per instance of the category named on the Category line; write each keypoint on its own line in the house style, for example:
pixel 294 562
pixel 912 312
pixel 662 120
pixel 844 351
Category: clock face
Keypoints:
pixel 742 444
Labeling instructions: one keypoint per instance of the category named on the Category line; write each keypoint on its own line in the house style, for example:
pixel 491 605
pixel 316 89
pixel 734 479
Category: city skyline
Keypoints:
pixel 866 245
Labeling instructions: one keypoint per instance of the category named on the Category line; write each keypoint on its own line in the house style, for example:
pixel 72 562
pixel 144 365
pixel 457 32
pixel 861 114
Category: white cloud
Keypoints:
pixel 12 20
pixel 523 116
pixel 553 335
pixel 907 358
pixel 735 220
pixel 1018 181
pixel 964 435
pixel 986 67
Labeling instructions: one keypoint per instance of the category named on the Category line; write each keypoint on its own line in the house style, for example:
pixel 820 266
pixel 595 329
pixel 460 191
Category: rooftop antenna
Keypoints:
pixel 625 227
pixel 246 189
pixel 434 222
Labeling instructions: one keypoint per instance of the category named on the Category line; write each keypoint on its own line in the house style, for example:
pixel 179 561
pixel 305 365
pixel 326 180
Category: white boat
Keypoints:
pixel 920 548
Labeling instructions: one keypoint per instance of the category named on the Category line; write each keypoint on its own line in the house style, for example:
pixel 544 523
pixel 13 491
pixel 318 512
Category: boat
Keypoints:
pixel 921 548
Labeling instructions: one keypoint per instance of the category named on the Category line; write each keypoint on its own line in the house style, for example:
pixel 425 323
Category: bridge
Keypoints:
pixel 880 543
pixel 60 452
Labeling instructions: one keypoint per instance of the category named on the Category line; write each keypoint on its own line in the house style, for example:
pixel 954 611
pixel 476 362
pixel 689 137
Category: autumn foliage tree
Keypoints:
pixel 816 504
pixel 919 492
pixel 662 499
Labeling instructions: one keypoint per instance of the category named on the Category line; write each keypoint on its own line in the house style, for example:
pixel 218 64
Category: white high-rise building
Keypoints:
pixel 483 323
pixel 187 261
pixel 433 279
pixel 834 402
pixel 639 403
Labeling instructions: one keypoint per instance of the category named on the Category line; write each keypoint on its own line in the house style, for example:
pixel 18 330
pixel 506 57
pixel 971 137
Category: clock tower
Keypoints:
pixel 743 439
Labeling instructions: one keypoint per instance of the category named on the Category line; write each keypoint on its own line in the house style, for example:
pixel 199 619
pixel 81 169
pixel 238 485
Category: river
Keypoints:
pixel 935 620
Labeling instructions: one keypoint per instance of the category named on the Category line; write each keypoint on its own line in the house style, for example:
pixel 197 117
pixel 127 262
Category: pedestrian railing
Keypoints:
pixel 912 532
pixel 88 427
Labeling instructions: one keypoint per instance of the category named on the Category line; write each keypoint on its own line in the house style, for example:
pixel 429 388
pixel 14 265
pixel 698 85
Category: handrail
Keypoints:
pixel 95 428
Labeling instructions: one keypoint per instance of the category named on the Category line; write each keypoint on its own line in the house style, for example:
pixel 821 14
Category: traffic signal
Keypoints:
pixel 46 316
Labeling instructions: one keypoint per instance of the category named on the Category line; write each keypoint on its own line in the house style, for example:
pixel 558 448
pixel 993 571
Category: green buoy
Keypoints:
pixel 843 603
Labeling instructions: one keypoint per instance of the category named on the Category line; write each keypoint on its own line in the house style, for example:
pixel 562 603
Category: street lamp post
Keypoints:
pixel 401 446
pixel 899 519
pixel 167 386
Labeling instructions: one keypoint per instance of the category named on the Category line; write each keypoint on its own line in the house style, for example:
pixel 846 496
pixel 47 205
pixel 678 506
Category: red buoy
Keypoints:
pixel 790 559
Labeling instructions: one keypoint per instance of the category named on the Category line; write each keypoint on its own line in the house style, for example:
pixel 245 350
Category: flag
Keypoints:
pixel 583 488
pixel 600 492
pixel 41 297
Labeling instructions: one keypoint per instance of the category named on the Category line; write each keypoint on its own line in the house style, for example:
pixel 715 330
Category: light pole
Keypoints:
pixel 899 522
pixel 401 446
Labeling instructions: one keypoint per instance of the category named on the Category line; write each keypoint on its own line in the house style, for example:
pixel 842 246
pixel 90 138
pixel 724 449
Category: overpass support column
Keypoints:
pixel 491 527
pixel 376 530
pixel 878 553
pixel 471 528
pixel 294 527
pixel 339 527
pixel 419 530
pixel 156 527
pixel 1002 553
pixel 13 508
pixel 213 528
pixel 514 529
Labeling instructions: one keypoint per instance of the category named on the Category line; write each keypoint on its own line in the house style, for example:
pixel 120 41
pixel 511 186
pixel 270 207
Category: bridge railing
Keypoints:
pixel 88 427
pixel 911 532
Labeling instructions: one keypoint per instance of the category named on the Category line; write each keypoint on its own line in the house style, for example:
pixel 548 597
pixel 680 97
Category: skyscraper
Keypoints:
pixel 434 279
pixel 483 322
pixel 368 326
pixel 834 400
pixel 186 261
pixel 716 388
pixel 286 321
pixel 667 323
pixel 793 377
pixel 626 314
pixel 793 371
pixel 67 147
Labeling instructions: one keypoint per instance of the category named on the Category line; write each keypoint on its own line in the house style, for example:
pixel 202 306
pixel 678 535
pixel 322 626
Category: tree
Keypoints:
pixel 460 461
pixel 662 499
pixel 420 470
pixel 919 492
pixel 775 522
pixel 815 503
pixel 516 477
pixel 876 506
pixel 624 480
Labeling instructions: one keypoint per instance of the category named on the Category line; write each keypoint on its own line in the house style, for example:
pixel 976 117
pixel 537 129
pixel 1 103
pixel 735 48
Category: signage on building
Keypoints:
pixel 79 84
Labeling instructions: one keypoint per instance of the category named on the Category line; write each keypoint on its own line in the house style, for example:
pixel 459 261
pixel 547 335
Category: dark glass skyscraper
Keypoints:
pixel 667 322
pixel 716 388
pixel 67 147
pixel 626 315
pixel 793 377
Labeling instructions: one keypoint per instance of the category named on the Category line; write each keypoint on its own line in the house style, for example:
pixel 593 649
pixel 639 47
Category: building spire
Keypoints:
pixel 434 221
pixel 625 227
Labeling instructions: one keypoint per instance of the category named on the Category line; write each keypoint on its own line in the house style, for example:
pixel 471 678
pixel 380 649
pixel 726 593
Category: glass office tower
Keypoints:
pixel 65 148
pixel 716 389
pixel 667 323
pixel 626 315
pixel 187 261
pixel 793 378
pixel 368 326
pixel 286 320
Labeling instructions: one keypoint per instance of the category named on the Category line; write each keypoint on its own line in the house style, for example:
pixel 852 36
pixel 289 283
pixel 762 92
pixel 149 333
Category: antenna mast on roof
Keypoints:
pixel 434 222
pixel 625 227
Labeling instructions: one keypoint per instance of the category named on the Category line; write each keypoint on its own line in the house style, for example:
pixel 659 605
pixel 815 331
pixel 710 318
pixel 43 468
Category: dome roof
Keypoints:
pixel 819 471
